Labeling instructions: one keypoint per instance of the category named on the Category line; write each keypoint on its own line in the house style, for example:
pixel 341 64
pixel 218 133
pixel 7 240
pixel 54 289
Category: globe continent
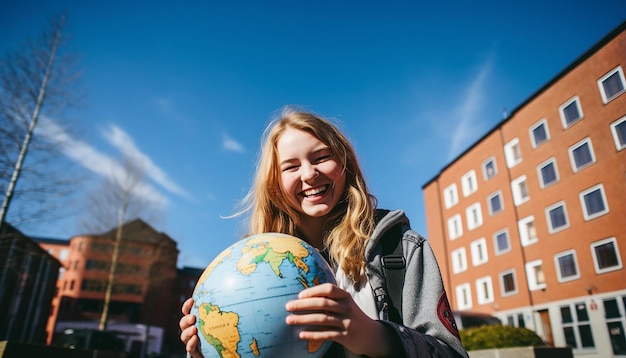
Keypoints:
pixel 239 300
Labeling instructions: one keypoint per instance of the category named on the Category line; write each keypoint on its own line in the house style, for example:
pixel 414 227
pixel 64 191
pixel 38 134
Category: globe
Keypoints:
pixel 239 300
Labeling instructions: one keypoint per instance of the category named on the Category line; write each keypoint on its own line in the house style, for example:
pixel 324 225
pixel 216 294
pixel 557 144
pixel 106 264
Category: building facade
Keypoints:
pixel 27 286
pixel 146 269
pixel 528 223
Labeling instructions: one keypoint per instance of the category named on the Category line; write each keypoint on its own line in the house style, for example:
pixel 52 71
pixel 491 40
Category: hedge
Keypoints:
pixel 498 336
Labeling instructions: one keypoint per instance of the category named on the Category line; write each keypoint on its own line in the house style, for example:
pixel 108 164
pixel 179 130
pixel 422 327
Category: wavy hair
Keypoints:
pixel 350 223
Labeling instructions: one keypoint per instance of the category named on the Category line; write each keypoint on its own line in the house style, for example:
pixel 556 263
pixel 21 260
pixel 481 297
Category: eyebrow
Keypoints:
pixel 314 152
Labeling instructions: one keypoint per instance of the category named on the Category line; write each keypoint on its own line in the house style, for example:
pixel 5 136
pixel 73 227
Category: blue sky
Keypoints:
pixel 188 88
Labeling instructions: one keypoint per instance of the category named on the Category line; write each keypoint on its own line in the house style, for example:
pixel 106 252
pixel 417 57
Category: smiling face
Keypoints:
pixel 311 178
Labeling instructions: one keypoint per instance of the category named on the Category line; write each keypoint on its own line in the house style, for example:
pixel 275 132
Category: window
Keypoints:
pixel 520 190
pixel 534 273
pixel 528 233
pixel 539 133
pixel 479 252
pixel 593 202
pixel 501 242
pixel 459 260
pixel 615 323
pixel 474 216
pixel 548 173
pixel 450 196
pixel 566 266
pixel 576 327
pixel 606 256
pixel 512 153
pixel 469 183
pixel 495 203
pixel 521 322
pixel 484 290
pixel 455 228
pixel 612 84
pixel 618 128
pixel 581 155
pixel 64 254
pixel 508 283
pixel 464 295
pixel 556 216
pixel 571 112
pixel 489 168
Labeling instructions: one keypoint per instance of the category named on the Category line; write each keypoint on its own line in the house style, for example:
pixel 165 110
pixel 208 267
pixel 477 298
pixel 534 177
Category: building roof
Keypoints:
pixel 600 44
pixel 138 230
pixel 190 271
pixel 51 241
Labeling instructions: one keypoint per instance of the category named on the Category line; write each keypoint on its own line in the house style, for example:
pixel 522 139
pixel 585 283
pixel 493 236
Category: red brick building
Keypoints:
pixel 144 292
pixel 529 223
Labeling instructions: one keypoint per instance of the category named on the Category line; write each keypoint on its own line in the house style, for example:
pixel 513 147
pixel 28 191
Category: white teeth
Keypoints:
pixel 314 191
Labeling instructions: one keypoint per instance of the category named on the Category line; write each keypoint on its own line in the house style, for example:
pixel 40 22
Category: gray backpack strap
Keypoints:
pixel 394 266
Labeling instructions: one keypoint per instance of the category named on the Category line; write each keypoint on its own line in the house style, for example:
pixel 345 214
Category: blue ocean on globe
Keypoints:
pixel 239 301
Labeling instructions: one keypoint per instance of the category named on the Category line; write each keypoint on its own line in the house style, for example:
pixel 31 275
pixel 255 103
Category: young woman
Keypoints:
pixel 309 184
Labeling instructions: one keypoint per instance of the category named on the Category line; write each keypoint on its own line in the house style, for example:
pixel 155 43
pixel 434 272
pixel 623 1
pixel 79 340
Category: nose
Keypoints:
pixel 309 172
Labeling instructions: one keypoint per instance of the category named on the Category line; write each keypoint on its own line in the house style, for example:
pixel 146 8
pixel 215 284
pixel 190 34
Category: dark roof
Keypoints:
pixel 138 230
pixel 618 30
pixel 190 271
pixel 47 240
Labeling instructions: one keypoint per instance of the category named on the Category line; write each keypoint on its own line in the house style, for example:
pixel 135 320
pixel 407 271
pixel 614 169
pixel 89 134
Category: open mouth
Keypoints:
pixel 320 190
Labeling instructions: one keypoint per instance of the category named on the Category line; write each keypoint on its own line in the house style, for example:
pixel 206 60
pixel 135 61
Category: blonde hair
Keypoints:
pixel 350 223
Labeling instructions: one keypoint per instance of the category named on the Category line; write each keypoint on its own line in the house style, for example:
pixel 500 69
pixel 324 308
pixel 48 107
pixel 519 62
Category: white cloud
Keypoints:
pixel 466 129
pixel 124 143
pixel 102 164
pixel 231 145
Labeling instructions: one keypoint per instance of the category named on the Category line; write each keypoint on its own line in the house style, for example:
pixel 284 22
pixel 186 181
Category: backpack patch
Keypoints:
pixel 445 315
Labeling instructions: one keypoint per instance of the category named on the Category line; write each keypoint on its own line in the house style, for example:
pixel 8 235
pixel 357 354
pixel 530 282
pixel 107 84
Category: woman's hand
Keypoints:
pixel 189 334
pixel 335 316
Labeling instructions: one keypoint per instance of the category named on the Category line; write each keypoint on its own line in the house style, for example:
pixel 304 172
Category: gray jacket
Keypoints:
pixel 428 328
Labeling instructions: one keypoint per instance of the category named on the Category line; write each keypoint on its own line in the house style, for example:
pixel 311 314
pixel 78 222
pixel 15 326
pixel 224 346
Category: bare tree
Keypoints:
pixel 35 83
pixel 121 198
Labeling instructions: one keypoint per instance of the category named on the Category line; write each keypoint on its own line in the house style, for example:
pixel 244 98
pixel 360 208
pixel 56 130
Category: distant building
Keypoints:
pixel 143 293
pixel 28 276
pixel 529 223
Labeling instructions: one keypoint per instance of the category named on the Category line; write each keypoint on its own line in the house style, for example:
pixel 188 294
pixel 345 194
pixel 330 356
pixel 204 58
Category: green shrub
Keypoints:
pixel 498 336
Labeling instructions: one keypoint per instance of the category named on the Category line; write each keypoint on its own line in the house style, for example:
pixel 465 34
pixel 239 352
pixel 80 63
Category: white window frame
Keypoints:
pixel 466 180
pixel 473 216
pixel 516 185
pixel 497 248
pixel 493 195
pixel 551 228
pixel 478 249
pixel 523 232
pixel 576 100
pixel 542 182
pixel 533 281
pixel 620 74
pixel 452 234
pixel 531 132
pixel 596 264
pixel 450 196
pixel 484 290
pixel 509 153
pixel 502 288
pixel 619 145
pixel 459 260
pixel 583 204
pixel 559 274
pixel 486 175
pixel 572 160
pixel 464 296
